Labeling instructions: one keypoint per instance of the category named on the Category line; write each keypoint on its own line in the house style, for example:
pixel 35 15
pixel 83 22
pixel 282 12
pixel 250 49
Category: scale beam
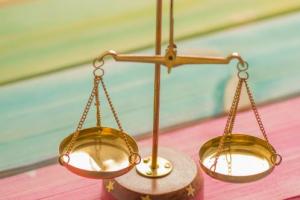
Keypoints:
pixel 171 60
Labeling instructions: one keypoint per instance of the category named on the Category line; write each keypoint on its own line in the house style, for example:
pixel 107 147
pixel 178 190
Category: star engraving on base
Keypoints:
pixel 190 190
pixel 147 197
pixel 110 186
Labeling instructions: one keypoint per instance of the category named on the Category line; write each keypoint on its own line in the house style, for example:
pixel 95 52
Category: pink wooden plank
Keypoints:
pixel 281 121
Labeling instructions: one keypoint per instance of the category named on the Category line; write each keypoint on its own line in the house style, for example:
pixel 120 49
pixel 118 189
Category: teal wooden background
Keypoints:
pixel 37 113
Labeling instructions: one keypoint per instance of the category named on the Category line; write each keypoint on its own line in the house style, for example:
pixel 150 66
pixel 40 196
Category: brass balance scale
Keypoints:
pixel 110 154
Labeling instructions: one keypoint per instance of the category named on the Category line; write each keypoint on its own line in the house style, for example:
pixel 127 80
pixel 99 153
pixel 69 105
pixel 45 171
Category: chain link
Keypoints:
pixel 230 122
pixel 275 155
pixel 233 111
pixel 116 116
pixel 257 116
pixel 83 117
pixel 111 105
pixel 98 63
pixel 97 104
pixel 134 157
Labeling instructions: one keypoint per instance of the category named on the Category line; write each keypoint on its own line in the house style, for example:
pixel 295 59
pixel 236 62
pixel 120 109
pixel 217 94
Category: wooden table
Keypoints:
pixel 282 124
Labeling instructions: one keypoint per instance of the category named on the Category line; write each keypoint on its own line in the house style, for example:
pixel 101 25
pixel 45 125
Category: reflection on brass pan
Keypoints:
pixel 244 158
pixel 99 153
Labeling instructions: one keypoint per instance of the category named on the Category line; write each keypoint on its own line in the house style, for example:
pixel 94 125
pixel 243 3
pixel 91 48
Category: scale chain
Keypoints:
pixel 83 117
pixel 229 123
pixel 261 126
pixel 97 64
pixel 97 104
pixel 132 154
pixel 111 105
pixel 233 112
pixel 257 116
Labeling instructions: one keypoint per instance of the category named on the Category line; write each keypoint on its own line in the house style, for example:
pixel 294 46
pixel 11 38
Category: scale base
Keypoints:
pixel 185 182
pixel 164 167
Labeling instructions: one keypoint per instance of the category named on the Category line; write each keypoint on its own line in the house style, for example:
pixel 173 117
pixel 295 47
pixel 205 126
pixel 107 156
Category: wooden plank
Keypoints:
pixel 47 35
pixel 38 113
pixel 54 182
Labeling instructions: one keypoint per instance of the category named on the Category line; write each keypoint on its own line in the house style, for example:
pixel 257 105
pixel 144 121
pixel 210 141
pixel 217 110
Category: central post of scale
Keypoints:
pixel 156 104
pixel 155 166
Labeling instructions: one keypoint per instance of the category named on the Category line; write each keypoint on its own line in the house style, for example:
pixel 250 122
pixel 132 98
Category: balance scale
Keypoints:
pixel 111 154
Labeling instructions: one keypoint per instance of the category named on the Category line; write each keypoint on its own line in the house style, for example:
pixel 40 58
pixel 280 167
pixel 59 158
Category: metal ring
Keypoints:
pixel 135 158
pixel 274 159
pixel 243 75
pixel 96 64
pixel 61 159
pixel 242 67
pixel 98 70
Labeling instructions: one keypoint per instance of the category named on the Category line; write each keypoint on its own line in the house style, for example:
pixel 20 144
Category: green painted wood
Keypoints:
pixel 36 114
pixel 37 37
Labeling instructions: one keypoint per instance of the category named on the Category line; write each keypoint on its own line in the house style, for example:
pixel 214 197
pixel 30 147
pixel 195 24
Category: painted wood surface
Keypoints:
pixel 54 182
pixel 41 36
pixel 37 114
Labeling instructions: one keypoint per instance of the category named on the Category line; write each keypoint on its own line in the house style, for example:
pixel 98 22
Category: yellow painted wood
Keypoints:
pixel 37 37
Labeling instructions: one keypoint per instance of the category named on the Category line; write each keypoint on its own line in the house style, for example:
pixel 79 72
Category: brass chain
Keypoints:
pixel 111 105
pixel 232 115
pixel 134 157
pixel 275 158
pixel 242 68
pixel 83 117
pixel 97 104
pixel 254 108
pixel 257 116
pixel 229 124
pixel 233 110
pixel 115 116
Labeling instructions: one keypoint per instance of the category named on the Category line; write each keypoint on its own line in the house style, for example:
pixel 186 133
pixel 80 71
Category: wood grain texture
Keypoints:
pixel 47 35
pixel 36 114
pixel 54 182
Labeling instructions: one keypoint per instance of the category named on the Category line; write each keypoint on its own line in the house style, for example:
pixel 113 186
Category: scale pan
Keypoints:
pixel 99 153
pixel 251 158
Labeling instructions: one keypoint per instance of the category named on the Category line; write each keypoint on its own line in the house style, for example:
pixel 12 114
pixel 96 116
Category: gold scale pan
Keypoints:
pixel 239 157
pixel 105 153
pixel 99 153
